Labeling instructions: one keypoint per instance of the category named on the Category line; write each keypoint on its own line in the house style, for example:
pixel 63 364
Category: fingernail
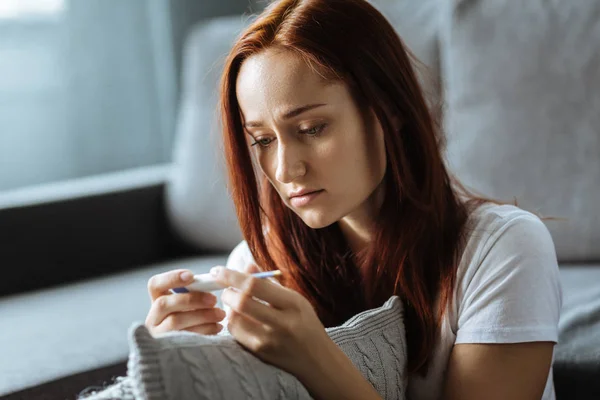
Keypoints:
pixel 215 270
pixel 186 276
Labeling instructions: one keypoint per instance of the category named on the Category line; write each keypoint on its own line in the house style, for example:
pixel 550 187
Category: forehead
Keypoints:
pixel 279 78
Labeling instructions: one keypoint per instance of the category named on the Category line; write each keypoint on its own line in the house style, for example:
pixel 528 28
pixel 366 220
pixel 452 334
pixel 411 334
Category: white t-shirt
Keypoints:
pixel 507 290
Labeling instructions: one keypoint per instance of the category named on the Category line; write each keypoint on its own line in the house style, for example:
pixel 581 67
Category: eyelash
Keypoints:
pixel 319 129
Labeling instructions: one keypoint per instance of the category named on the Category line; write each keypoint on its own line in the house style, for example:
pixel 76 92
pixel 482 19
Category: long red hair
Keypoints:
pixel 420 227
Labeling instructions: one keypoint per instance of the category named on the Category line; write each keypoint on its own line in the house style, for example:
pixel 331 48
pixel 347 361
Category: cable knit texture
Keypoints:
pixel 183 365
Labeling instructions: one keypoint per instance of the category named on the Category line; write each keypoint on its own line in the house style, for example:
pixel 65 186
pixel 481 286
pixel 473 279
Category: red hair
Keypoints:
pixel 420 227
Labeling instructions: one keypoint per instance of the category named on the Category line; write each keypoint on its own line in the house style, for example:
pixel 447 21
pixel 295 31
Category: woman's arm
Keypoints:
pixel 498 371
pixel 509 305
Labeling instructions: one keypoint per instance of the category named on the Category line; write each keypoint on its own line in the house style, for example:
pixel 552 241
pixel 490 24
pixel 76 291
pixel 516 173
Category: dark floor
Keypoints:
pixel 71 387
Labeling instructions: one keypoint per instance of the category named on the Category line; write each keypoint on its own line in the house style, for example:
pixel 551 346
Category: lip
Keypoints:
pixel 305 198
pixel 302 192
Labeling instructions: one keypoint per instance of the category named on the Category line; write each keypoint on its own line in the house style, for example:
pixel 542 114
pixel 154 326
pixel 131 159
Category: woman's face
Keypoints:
pixel 308 135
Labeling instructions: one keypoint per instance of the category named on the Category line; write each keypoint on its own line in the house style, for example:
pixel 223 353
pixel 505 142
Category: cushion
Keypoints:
pixel 577 354
pixel 418 24
pixel 184 365
pixel 197 201
pixel 523 110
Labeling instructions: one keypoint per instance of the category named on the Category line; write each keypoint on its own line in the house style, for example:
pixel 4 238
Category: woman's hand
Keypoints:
pixel 286 332
pixel 193 312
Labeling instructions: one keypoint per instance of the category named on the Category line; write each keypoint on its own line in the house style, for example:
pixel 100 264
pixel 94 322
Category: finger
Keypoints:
pixel 276 295
pixel 183 320
pixel 205 329
pixel 171 303
pixel 246 331
pixel 242 303
pixel 160 284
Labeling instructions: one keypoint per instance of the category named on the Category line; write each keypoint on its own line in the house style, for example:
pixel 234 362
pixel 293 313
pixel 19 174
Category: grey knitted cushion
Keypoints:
pixel 183 365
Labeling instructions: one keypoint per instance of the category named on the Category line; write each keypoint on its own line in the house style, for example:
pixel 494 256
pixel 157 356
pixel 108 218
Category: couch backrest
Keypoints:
pixel 522 87
pixel 198 204
pixel 521 84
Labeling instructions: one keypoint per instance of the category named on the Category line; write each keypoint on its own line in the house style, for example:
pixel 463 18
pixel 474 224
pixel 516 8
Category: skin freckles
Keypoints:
pixel 329 147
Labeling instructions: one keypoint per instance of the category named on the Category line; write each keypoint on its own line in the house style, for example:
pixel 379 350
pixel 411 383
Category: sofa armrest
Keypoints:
pixel 62 232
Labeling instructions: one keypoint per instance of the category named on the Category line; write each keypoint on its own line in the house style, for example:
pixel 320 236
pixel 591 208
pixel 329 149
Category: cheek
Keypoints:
pixel 347 156
pixel 330 163
pixel 359 162
pixel 267 165
pixel 379 155
pixel 262 163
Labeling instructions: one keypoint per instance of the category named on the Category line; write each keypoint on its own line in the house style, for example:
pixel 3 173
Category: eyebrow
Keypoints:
pixel 289 114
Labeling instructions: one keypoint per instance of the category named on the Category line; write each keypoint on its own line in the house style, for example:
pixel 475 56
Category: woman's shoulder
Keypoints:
pixel 491 220
pixel 500 213
pixel 505 231
pixel 508 273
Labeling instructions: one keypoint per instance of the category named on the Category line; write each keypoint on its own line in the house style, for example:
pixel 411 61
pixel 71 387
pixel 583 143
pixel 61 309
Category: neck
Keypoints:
pixel 358 226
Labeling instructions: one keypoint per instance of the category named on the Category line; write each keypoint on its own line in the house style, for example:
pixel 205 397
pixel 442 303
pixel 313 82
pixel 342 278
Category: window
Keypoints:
pixel 86 87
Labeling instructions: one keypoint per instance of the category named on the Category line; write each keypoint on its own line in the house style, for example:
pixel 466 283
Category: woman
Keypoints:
pixel 336 171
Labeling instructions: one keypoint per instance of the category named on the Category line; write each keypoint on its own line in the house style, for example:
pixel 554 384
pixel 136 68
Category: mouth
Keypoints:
pixel 306 198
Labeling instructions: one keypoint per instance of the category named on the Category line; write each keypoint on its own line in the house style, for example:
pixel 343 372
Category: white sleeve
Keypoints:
pixel 238 259
pixel 513 293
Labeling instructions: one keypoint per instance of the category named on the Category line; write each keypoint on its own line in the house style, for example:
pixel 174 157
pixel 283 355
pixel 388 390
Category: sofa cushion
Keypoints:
pixel 198 204
pixel 418 24
pixel 523 93
pixel 70 387
pixel 577 354
pixel 53 333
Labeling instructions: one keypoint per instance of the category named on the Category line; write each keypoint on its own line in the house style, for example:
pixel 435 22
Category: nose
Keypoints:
pixel 289 163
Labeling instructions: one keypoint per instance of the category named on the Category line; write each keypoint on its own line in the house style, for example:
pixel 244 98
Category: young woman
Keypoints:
pixel 336 169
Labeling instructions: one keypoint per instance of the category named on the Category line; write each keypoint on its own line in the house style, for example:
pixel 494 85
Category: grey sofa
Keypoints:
pixel 76 256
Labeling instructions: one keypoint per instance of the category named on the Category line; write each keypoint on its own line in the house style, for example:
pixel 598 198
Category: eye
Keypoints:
pixel 313 131
pixel 264 142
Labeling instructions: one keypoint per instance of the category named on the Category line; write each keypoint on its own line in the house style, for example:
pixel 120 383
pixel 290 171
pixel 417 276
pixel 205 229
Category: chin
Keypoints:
pixel 316 219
